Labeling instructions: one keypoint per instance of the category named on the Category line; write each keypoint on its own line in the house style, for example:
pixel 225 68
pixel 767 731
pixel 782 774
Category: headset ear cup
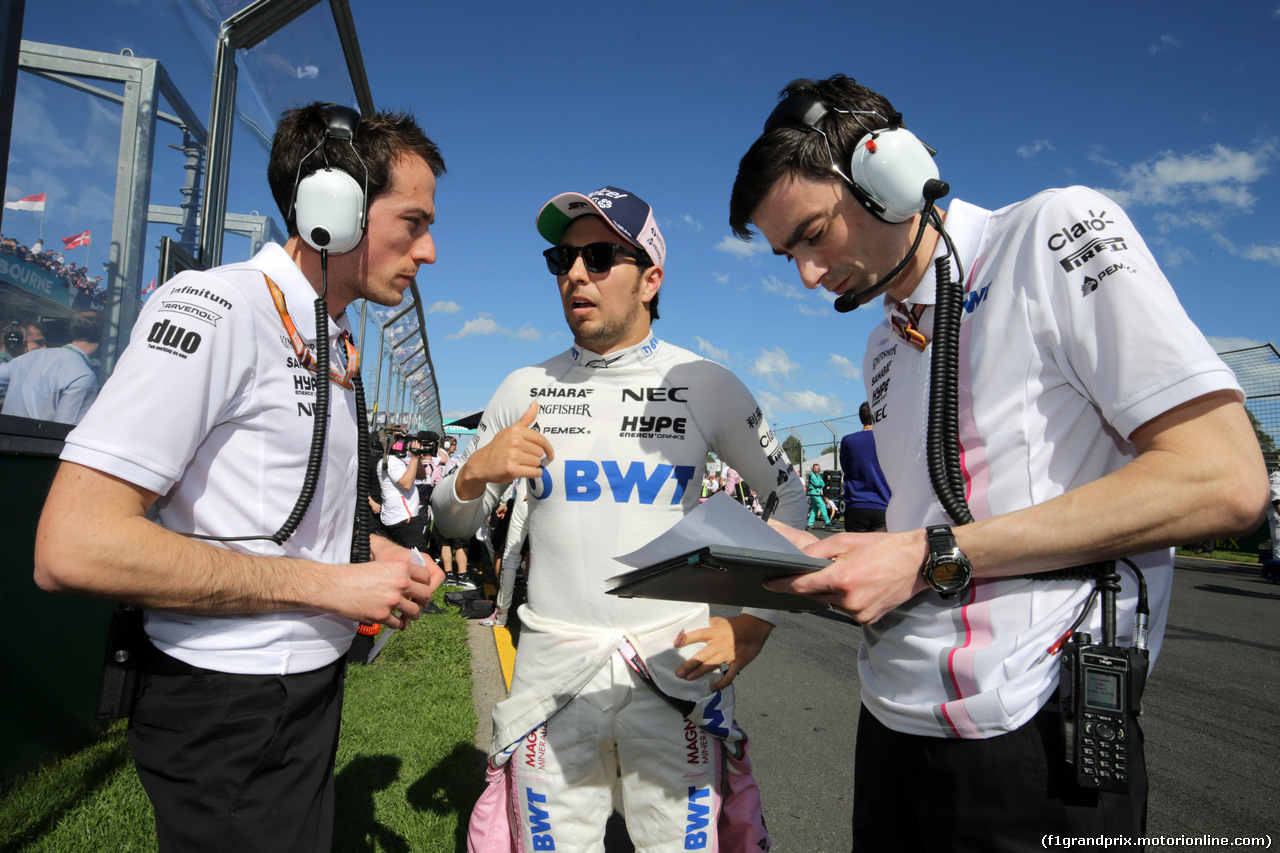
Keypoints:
pixel 892 168
pixel 329 211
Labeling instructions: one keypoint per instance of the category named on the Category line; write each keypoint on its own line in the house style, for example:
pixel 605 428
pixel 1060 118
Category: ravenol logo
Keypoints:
pixel 581 481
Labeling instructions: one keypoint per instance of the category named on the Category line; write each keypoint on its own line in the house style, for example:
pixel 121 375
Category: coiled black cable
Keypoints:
pixel 360 550
pixel 942 439
pixel 319 426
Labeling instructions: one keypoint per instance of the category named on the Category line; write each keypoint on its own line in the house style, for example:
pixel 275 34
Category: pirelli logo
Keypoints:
pixel 1091 250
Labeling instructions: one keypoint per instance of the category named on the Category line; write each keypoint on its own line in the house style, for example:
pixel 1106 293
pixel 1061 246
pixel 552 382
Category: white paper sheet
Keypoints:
pixel 719 520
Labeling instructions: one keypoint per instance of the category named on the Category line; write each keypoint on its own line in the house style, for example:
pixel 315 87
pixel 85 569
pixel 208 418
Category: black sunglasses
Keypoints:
pixel 598 257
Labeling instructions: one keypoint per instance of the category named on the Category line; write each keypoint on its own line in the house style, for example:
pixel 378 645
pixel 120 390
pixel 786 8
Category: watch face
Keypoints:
pixel 948 574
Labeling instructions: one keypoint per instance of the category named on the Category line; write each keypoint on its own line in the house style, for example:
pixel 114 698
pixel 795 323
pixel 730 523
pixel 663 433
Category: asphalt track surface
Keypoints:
pixel 1210 719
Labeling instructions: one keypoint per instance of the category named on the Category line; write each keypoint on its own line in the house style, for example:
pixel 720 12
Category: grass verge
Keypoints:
pixel 407 771
pixel 1230 556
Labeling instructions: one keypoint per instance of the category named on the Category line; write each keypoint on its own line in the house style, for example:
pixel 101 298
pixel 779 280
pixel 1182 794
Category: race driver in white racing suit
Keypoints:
pixel 613 436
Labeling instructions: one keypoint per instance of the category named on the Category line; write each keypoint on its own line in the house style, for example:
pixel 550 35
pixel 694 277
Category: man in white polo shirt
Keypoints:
pixel 207 426
pixel 1094 422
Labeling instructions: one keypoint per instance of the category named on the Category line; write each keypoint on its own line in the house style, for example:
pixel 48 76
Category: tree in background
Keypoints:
pixel 793 449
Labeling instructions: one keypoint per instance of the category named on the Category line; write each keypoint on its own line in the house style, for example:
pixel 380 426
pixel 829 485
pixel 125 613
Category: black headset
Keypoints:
pixel 889 169
pixel 329 206
pixel 15 339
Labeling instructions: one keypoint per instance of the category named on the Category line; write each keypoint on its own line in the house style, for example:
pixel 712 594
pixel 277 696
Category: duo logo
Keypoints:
pixel 540 822
pixel 582 481
pixel 697 819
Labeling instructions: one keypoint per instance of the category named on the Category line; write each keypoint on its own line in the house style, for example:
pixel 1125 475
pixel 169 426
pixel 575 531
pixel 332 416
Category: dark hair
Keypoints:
pixel 381 139
pixel 792 150
pixel 864 413
pixel 87 326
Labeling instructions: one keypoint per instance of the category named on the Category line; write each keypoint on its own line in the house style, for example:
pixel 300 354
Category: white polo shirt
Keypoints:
pixel 397 504
pixel 1071 339
pixel 210 409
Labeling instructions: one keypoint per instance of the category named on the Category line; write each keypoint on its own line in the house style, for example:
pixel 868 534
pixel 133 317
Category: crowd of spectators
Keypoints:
pixel 86 292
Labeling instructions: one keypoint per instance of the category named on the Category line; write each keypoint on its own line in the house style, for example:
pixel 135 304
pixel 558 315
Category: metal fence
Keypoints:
pixel 1258 370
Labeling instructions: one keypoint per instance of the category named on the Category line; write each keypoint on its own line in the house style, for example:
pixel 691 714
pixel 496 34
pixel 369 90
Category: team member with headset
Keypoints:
pixel 224 398
pixel 1090 420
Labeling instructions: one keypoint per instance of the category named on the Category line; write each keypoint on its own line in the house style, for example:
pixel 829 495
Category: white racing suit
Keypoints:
pixel 594 695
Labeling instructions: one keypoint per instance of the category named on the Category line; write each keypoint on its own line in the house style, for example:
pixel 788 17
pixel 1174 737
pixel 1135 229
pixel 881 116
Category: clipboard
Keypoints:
pixel 721 574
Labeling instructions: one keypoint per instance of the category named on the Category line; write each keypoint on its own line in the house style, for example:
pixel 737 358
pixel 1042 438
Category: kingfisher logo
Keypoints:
pixel 581 481
pixel 697 819
pixel 539 821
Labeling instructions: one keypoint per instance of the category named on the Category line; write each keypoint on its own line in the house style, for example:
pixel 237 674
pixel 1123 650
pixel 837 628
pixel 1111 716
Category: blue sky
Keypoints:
pixel 1170 108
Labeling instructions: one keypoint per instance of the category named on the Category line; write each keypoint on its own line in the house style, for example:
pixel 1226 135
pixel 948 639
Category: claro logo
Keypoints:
pixel 1094 222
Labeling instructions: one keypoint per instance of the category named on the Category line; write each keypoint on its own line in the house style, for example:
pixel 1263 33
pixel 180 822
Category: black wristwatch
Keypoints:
pixel 947 569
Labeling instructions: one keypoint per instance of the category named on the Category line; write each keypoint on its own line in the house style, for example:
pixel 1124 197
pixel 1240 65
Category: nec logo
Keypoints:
pixel 582 481
pixel 655 395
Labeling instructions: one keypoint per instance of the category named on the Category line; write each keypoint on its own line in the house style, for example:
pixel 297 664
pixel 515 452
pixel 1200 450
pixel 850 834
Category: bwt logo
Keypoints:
pixel 975 298
pixel 697 819
pixel 581 481
pixel 539 821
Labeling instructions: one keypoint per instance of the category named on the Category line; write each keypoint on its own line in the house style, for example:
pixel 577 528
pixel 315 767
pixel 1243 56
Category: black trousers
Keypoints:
pixel 238 763
pixel 1000 794
pixel 863 520
pixel 410 533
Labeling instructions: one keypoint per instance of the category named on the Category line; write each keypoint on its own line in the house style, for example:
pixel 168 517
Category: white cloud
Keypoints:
pixel 1220 176
pixel 1232 344
pixel 842 366
pixel 1166 42
pixel 442 307
pixel 798 401
pixel 774 362
pixel 481 325
pixel 1270 254
pixel 721 277
pixel 484 324
pixel 1028 151
pixel 773 284
pixel 741 248
pixel 692 223
pixel 711 351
